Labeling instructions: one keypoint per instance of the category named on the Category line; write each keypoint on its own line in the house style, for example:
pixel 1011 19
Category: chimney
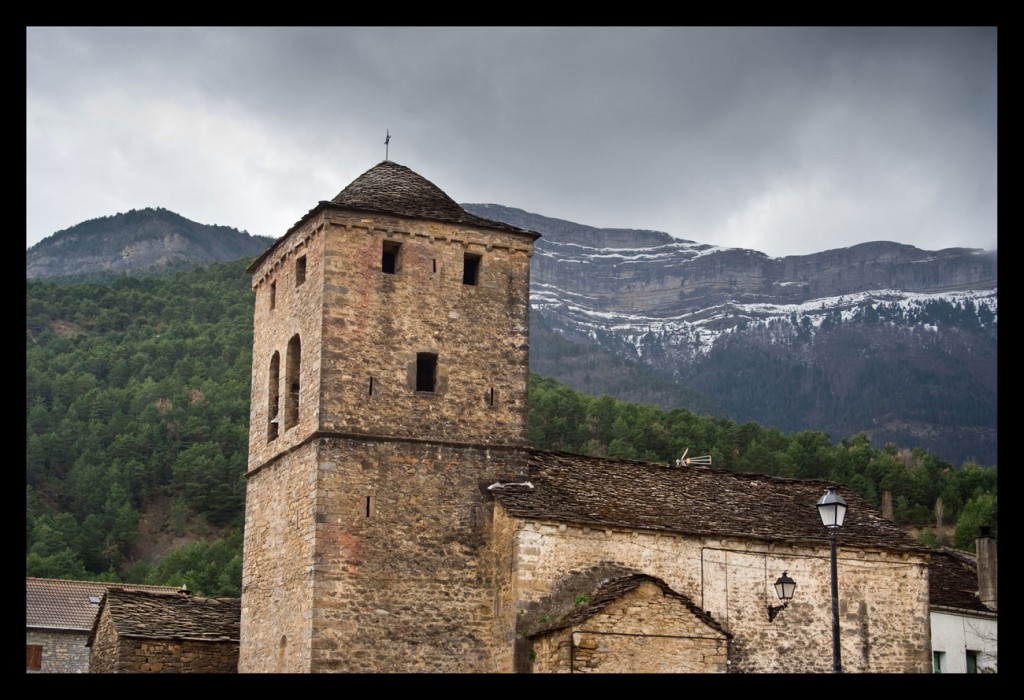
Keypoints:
pixel 985 546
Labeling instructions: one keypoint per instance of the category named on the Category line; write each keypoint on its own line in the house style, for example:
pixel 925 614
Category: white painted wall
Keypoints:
pixel 956 632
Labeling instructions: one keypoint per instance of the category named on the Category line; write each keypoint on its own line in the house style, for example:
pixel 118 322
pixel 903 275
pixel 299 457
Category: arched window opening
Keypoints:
pixel 292 378
pixel 274 397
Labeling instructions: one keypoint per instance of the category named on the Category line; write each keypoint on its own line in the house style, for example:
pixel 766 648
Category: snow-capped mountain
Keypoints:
pixel 881 338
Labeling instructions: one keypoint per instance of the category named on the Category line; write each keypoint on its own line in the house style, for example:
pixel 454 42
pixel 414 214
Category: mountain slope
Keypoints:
pixel 144 239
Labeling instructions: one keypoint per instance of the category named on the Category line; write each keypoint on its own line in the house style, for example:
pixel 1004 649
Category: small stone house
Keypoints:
pixel 143 632
pixel 964 619
pixel 59 616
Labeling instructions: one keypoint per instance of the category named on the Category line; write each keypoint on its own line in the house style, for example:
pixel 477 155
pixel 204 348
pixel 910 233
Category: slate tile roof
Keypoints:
pixel 953 580
pixel 602 585
pixel 689 500
pixel 142 614
pixel 65 605
pixel 390 188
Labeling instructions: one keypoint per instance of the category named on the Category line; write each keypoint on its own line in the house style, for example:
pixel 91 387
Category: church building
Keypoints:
pixel 398 521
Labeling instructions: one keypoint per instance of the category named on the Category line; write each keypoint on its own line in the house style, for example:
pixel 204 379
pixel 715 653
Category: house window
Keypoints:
pixel 939 661
pixel 300 270
pixel 291 407
pixel 471 269
pixel 273 295
pixel 389 257
pixel 273 397
pixel 972 661
pixel 426 371
pixel 33 657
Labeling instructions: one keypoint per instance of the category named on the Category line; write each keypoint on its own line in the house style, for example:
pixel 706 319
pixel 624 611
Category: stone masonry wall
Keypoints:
pixel 277 567
pixel 643 632
pixel 404 560
pixel 883 595
pixel 375 323
pixel 63 652
pixel 296 309
pixel 104 646
pixel 177 656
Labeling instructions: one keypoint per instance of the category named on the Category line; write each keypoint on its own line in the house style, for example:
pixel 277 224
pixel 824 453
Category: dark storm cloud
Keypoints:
pixel 782 140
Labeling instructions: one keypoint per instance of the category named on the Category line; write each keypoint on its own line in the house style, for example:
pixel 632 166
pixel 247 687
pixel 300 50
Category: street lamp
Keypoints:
pixel 784 587
pixel 832 509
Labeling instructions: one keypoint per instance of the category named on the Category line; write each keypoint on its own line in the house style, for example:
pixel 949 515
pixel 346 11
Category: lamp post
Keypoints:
pixel 784 588
pixel 832 509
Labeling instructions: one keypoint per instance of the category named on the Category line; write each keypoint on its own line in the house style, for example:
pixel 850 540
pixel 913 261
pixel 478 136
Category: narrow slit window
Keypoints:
pixel 273 295
pixel 367 506
pixel 371 387
pixel 426 371
pixel 389 257
pixel 300 270
pixel 471 269
pixel 433 264
pixel 490 397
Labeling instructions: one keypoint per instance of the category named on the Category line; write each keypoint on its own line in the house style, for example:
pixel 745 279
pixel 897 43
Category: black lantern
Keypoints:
pixel 784 588
pixel 832 509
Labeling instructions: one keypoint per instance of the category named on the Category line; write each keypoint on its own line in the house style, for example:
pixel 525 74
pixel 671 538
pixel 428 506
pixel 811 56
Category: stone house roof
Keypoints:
pixel 58 604
pixel 142 614
pixel 688 500
pixel 582 594
pixel 393 189
pixel 953 581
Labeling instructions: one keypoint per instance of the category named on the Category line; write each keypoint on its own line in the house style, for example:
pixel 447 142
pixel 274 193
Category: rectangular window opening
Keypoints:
pixel 938 661
pixel 273 295
pixel 389 257
pixel 367 506
pixel 972 661
pixel 426 371
pixel 300 270
pixel 471 269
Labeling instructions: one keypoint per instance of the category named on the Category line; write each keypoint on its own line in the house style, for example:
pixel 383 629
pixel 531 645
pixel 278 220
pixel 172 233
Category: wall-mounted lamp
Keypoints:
pixel 784 588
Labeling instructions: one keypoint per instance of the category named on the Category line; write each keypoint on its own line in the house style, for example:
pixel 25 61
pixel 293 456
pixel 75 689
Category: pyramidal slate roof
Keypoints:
pixel 393 189
pixel 620 493
pixel 59 604
pixel 142 614
pixel 390 188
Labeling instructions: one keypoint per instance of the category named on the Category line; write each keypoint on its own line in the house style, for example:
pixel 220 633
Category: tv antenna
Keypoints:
pixel 703 461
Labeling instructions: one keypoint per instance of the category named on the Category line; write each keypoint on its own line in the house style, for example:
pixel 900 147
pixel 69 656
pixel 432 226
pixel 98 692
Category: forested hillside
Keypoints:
pixel 137 404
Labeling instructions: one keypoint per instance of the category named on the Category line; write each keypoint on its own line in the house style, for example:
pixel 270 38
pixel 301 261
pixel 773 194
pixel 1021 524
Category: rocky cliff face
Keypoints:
pixel 873 338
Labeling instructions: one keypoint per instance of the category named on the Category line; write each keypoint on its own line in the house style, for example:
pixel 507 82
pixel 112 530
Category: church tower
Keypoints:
pixel 389 387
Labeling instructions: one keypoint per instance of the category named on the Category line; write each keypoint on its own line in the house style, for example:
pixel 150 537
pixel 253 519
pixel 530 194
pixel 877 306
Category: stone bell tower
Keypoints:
pixel 389 386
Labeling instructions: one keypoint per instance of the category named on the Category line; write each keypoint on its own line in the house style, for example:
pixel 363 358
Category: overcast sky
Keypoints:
pixel 785 141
